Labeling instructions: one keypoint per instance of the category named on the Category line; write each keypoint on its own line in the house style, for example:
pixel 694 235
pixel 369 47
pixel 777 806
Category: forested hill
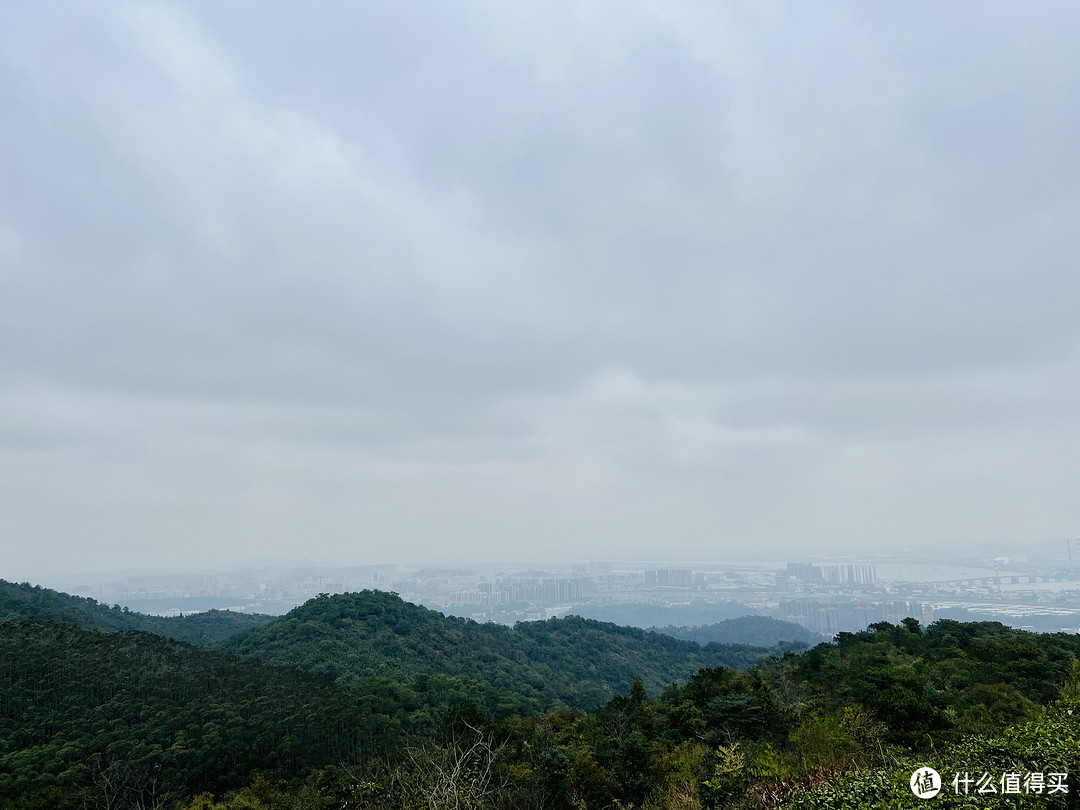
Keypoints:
pixel 531 667
pixel 34 602
pixel 128 719
pixel 760 631
pixel 99 719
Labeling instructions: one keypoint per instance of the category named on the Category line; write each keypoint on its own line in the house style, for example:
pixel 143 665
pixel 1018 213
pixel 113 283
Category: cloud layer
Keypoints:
pixel 389 282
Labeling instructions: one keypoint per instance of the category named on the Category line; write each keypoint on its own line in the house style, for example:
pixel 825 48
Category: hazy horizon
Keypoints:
pixel 484 280
pixel 1046 551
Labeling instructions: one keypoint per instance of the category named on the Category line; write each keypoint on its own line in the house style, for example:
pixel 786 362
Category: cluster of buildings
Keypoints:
pixel 836 574
pixel 825 597
pixel 517 590
pixel 672 578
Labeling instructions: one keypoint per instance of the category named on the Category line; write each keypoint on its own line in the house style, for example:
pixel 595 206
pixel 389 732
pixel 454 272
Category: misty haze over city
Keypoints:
pixel 406 284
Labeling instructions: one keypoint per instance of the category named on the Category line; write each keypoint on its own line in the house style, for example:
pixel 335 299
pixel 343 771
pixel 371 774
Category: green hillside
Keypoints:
pixel 761 631
pixel 1047 745
pixel 531 667
pixel 97 719
pixel 27 601
pixel 401 707
pixel 842 727
pixel 939 682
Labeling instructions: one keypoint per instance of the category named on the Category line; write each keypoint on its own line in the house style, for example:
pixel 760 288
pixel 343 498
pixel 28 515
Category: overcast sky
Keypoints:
pixel 377 282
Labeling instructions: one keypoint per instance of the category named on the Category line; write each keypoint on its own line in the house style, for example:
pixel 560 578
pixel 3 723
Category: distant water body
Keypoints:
pixel 929 572
pixel 907 572
pixel 199 604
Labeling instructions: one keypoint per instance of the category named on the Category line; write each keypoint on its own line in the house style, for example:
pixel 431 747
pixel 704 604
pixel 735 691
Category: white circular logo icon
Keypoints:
pixel 926 783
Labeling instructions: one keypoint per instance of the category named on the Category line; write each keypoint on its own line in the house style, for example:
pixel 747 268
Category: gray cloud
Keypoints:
pixel 501 278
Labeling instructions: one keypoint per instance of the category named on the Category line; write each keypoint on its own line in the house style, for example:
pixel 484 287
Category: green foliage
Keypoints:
pixel 729 774
pixel 1070 689
pixel 760 631
pixel 370 640
pixel 1048 744
pixel 34 602
pixel 937 684
pixel 131 716
pixel 401 707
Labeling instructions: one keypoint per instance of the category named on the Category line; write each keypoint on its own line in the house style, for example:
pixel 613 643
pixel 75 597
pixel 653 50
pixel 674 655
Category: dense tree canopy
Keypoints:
pixel 401 707
pixel 86 714
pixel 33 601
pixel 761 631
pixel 534 666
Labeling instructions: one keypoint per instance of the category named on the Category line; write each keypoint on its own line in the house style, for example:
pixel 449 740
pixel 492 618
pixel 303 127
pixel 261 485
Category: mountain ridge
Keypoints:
pixel 570 661
pixel 34 601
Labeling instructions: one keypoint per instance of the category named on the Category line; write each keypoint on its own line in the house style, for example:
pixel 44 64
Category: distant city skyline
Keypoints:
pixel 824 595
